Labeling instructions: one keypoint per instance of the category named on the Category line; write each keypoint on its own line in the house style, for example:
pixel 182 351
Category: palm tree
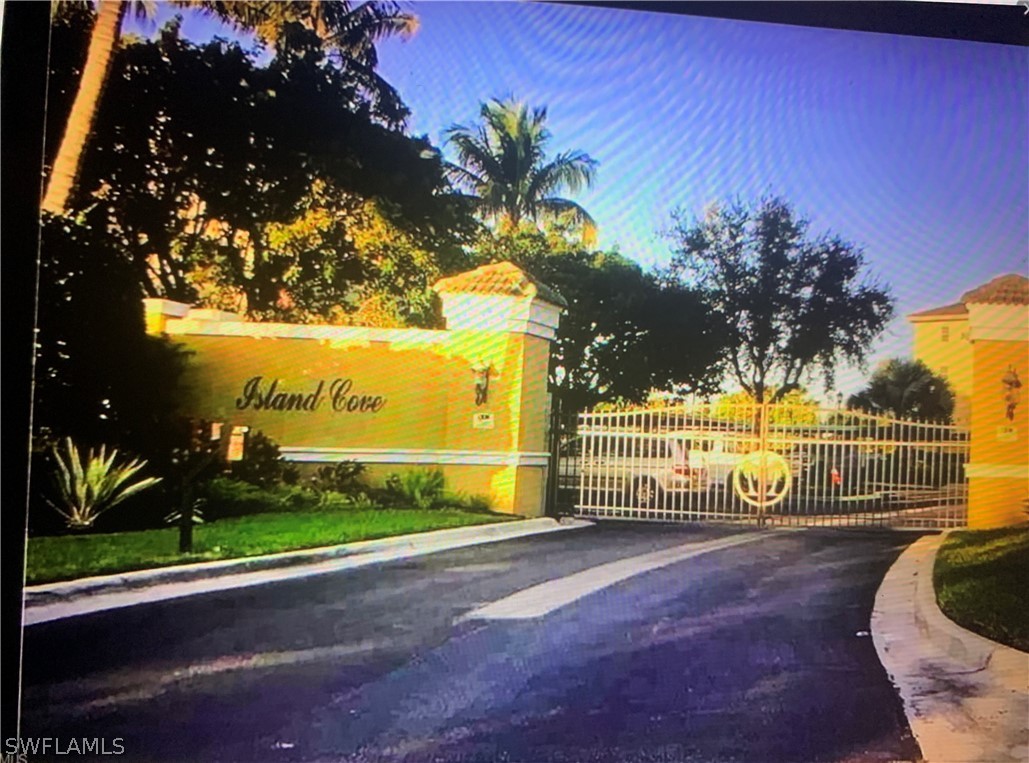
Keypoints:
pixel 83 112
pixel 348 32
pixel 502 163
pixel 906 389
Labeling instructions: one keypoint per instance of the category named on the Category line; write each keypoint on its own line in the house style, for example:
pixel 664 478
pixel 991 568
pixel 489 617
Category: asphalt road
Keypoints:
pixel 758 652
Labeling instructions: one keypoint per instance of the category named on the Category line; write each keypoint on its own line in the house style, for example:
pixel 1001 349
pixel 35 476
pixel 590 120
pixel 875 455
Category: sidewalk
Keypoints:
pixel 54 601
pixel 966 697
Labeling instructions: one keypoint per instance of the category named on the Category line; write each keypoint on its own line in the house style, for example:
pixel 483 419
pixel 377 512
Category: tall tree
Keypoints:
pixel 796 407
pixel 906 389
pixel 349 32
pixel 791 305
pixel 84 108
pixel 267 203
pixel 624 333
pixel 502 163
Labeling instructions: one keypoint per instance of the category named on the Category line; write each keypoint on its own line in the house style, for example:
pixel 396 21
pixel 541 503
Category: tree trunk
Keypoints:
pixel 102 42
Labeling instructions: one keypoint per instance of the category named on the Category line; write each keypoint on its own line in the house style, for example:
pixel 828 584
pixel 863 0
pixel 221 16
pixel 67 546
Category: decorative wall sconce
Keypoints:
pixel 1012 392
pixel 481 370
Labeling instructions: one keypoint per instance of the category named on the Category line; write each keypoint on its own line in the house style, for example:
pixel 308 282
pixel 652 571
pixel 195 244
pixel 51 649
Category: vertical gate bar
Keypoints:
pixel 599 459
pixel 580 428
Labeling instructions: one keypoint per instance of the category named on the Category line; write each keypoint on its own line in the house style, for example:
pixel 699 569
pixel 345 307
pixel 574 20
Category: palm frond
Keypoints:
pixel 555 207
pixel 503 159
pixel 573 170
pixel 462 177
pixel 356 30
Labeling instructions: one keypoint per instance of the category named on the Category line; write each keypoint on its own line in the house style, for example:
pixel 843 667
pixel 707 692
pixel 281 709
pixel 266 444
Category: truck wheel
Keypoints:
pixel 644 493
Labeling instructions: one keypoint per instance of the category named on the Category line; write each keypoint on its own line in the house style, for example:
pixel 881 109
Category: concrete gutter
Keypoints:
pixel 966 697
pixel 54 601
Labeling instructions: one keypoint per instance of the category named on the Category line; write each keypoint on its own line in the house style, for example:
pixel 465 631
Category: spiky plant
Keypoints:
pixel 422 487
pixel 91 483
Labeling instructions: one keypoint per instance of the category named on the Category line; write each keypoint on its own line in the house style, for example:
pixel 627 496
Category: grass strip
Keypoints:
pixel 982 583
pixel 67 557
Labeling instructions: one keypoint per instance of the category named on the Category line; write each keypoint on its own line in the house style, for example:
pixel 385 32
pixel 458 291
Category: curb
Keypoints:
pixel 965 696
pixel 958 643
pixel 68 598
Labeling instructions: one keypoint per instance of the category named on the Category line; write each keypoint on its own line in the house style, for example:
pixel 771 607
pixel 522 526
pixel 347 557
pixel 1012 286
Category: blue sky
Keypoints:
pixel 916 149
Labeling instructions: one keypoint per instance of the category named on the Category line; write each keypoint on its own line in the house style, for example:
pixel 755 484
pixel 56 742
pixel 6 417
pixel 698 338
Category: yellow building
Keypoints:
pixel 981 345
pixel 941 342
pixel 471 399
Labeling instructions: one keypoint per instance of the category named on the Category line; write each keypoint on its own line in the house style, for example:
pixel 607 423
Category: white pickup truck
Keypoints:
pixel 642 466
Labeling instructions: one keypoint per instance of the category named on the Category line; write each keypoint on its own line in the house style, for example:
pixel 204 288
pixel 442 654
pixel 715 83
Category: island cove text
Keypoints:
pixel 337 395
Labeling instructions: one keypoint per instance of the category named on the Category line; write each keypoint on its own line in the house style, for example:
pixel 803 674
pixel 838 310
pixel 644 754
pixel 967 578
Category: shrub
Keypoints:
pixel 225 497
pixel 477 503
pixel 358 501
pixel 91 483
pixel 262 463
pixel 344 477
pixel 290 473
pixel 420 488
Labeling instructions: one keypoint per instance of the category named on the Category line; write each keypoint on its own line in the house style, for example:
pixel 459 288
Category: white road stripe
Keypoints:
pixel 544 598
pixel 375 552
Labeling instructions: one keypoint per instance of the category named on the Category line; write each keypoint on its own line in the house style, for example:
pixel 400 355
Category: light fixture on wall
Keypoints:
pixel 1012 392
pixel 481 370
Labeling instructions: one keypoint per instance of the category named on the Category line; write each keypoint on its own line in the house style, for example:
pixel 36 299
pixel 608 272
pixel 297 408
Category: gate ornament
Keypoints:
pixel 748 483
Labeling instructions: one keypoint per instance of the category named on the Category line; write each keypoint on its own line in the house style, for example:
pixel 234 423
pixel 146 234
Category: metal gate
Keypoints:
pixel 780 464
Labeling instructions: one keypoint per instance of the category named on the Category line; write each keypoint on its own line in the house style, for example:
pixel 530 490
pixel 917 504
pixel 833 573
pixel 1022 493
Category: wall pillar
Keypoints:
pixel 501 306
pixel 998 469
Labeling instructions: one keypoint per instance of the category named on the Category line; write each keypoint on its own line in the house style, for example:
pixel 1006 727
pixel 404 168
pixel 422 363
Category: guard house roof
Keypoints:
pixel 500 278
pixel 1011 289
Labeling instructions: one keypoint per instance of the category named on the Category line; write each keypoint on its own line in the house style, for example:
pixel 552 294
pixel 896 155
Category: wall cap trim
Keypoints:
pixel 432 456
pixel 257 330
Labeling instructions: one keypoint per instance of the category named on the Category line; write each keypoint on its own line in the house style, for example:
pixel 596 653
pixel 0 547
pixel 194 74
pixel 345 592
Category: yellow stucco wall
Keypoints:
pixel 949 354
pixel 394 400
pixel 999 465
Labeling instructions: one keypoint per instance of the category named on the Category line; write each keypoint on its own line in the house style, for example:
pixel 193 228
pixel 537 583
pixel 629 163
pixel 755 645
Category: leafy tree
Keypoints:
pixel 502 163
pixel 623 333
pixel 263 206
pixel 796 407
pixel 99 378
pixel 340 260
pixel 906 389
pixel 790 305
pixel 349 32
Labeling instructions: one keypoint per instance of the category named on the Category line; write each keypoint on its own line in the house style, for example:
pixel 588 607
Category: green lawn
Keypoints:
pixel 75 556
pixel 982 583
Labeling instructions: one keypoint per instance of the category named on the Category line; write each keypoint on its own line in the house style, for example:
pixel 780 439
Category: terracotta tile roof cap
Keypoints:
pixel 500 278
pixel 956 309
pixel 1010 289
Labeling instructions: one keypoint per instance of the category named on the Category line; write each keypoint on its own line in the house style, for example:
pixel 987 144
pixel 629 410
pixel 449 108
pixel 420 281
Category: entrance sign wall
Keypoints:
pixel 391 398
